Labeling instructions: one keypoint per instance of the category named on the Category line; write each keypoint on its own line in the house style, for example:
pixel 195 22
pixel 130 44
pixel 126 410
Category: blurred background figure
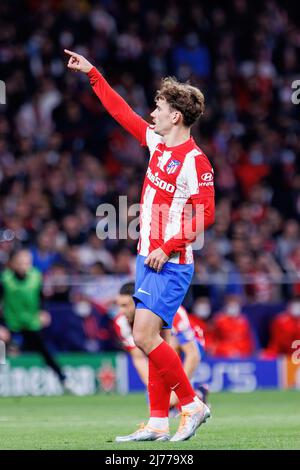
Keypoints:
pixel 123 317
pixel 232 335
pixel 21 290
pixel 183 340
pixel 284 330
pixel 200 319
pixel 190 345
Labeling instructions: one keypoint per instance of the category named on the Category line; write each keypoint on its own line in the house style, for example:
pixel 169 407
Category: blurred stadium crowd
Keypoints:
pixel 61 155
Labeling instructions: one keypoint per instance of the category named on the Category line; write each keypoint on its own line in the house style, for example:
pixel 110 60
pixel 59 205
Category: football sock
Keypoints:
pixel 159 394
pixel 159 423
pixel 169 367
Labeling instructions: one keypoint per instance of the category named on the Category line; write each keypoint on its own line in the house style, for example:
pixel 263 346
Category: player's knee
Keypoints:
pixel 140 340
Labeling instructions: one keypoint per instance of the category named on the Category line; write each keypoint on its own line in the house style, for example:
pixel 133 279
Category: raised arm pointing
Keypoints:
pixel 111 100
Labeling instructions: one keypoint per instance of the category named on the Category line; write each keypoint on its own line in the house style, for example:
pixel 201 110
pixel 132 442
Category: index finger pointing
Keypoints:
pixel 71 53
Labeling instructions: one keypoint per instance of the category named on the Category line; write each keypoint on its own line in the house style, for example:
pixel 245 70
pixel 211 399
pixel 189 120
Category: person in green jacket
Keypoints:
pixel 21 292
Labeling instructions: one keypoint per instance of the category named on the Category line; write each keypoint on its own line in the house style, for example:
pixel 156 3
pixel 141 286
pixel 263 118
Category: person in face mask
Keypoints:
pixel 284 330
pixel 232 336
pixel 202 308
pixel 295 308
pixel 200 320
pixel 233 308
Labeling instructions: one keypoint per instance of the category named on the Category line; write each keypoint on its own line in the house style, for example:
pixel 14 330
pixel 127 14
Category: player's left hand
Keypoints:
pixel 157 259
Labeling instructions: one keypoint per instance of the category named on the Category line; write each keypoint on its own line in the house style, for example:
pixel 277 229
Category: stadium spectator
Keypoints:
pixel 232 335
pixel 284 330
pixel 267 277
pixel 93 251
pixel 200 320
pixel 293 267
pixel 44 255
pixel 288 241
pixel 56 286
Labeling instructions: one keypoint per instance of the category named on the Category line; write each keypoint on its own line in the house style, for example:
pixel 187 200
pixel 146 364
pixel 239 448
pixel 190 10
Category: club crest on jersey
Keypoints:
pixel 172 166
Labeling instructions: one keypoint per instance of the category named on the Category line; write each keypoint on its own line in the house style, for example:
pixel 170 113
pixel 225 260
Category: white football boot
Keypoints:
pixel 146 433
pixel 190 422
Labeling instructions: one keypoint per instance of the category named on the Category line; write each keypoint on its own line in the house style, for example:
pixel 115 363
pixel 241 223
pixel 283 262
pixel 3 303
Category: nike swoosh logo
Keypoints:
pixel 143 291
pixel 175 386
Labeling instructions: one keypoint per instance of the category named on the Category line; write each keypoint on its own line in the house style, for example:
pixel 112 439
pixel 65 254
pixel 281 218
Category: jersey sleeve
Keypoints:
pixel 200 177
pixel 117 107
pixel 124 332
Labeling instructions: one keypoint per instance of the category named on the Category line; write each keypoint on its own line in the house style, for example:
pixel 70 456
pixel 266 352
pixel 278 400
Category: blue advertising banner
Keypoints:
pixel 106 372
pixel 233 375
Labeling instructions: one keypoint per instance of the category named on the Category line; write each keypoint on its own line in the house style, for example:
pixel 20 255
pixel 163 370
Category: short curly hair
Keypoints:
pixel 183 97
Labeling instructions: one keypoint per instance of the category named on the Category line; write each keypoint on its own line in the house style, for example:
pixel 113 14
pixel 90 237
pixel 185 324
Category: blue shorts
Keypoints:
pixel 162 292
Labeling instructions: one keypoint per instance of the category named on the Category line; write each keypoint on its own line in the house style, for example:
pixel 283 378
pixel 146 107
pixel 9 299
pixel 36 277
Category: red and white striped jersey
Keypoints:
pixel 181 326
pixel 124 331
pixel 177 177
pixel 184 331
pixel 181 329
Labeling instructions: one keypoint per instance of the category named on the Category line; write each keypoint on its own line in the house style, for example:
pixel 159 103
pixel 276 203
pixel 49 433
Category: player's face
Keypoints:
pixel 126 306
pixel 22 263
pixel 163 117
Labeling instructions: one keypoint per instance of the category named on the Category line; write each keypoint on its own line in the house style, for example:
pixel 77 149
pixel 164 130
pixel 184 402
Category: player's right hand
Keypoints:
pixel 77 62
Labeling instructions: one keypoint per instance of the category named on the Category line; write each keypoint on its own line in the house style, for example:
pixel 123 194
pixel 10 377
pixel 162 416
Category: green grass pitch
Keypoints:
pixel 259 420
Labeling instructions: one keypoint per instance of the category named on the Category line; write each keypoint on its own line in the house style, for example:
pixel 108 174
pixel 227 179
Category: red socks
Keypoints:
pixel 159 394
pixel 172 377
